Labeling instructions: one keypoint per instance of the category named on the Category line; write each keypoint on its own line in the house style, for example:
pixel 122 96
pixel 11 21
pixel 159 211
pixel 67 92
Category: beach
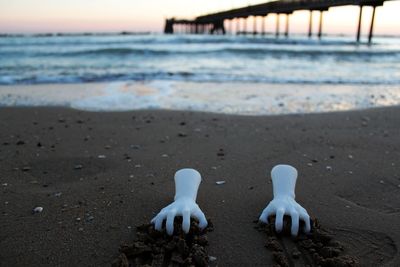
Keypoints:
pixel 98 175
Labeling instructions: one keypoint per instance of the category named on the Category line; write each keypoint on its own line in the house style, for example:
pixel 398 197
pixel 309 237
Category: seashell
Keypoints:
pixel 37 210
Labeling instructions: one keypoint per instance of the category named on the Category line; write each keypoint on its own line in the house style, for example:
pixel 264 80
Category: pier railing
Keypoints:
pixel 214 22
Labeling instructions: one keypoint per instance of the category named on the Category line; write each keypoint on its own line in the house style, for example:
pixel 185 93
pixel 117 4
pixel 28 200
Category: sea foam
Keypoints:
pixel 228 98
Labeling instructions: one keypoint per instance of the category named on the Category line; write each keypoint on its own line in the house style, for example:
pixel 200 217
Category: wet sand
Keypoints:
pixel 99 175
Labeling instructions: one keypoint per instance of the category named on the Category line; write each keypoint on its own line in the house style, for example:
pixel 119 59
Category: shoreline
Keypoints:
pixel 114 171
pixel 250 98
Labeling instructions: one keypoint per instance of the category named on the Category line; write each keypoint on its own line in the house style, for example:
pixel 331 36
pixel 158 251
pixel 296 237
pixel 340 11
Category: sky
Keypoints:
pixel 38 16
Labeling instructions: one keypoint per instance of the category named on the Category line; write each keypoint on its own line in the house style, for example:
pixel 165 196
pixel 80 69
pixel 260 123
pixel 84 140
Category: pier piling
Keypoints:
pixel 254 25
pixel 371 29
pixel 263 25
pixel 310 25
pixel 359 24
pixel 287 25
pixel 277 25
pixel 169 26
pixel 321 16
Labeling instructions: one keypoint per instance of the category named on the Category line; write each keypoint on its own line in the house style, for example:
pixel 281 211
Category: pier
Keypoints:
pixel 214 23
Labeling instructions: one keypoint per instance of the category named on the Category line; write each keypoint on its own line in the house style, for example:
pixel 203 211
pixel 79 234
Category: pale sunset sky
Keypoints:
pixel 35 16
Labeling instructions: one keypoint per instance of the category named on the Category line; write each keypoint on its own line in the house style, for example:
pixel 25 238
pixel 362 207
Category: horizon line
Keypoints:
pixel 125 32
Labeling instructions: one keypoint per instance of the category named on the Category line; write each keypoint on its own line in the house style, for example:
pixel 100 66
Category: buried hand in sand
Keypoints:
pixel 187 183
pixel 284 182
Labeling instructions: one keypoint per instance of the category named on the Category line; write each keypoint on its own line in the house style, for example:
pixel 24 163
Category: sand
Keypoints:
pixel 99 175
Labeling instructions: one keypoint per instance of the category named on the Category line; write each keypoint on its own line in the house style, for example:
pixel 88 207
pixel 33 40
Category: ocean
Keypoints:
pixel 329 64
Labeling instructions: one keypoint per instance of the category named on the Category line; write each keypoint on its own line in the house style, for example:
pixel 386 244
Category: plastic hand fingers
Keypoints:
pixel 279 219
pixel 158 220
pixel 306 218
pixel 199 215
pixel 170 222
pixel 295 222
pixel 186 220
pixel 162 212
pixel 266 213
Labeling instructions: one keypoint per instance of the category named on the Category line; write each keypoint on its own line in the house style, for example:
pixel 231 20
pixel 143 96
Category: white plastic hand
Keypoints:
pixel 284 182
pixel 187 183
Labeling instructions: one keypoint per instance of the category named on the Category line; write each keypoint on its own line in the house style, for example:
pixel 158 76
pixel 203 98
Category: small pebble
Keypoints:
pixel 350 156
pixel 78 167
pixel 329 168
pixel 78 219
pixel 164 155
pixel 37 210
pixel 26 168
pixel 212 258
pixel 220 153
pixel 220 182
pixel 58 194
pixel 101 156
pixel 309 164
pixel 381 181
pixel 182 134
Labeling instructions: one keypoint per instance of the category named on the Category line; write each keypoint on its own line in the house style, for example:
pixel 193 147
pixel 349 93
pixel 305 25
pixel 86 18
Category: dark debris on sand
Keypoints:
pixel 317 248
pixel 154 248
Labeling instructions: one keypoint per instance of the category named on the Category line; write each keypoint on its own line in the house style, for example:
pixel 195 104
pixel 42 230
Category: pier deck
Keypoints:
pixel 214 22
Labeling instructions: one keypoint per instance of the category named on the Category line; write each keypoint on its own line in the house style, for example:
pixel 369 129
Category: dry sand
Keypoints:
pixel 98 175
